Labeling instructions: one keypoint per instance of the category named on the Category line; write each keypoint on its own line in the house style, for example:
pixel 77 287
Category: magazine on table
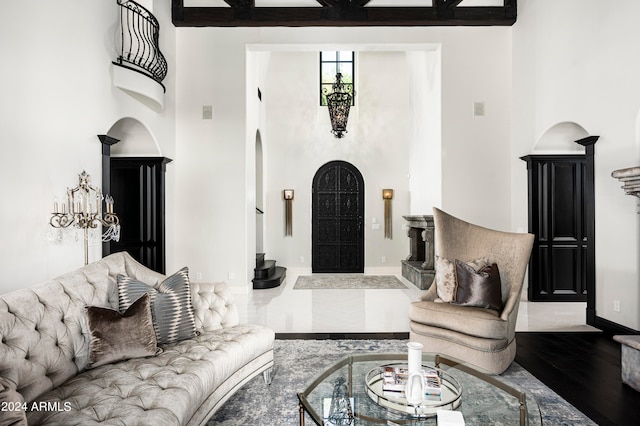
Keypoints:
pixel 394 381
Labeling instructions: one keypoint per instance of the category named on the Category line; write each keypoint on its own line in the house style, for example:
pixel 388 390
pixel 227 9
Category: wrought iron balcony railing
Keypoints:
pixel 139 48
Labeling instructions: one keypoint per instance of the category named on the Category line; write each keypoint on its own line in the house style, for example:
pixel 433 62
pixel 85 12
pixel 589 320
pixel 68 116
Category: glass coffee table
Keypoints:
pixel 481 398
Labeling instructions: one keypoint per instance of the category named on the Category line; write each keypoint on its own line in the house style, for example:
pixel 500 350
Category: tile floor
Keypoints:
pixel 286 310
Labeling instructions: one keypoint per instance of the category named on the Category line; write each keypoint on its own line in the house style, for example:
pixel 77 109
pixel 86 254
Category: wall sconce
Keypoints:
pixel 83 210
pixel 288 211
pixel 387 196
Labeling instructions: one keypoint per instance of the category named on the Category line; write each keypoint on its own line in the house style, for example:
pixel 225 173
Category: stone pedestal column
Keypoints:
pixel 419 266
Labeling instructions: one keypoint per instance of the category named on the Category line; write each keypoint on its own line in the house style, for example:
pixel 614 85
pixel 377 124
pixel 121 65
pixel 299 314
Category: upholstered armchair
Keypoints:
pixel 478 335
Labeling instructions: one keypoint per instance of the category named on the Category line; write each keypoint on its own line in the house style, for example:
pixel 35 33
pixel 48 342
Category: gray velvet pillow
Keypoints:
pixel 478 288
pixel 171 306
pixel 116 337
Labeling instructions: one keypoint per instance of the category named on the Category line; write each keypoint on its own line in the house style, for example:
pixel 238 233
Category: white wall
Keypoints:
pixel 218 229
pixel 56 97
pixel 425 152
pixel 578 65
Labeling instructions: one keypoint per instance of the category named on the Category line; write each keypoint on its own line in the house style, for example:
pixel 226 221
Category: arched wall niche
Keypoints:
pixel 560 139
pixel 135 139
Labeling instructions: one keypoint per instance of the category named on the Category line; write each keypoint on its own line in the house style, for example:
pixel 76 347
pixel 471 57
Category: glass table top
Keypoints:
pixel 481 398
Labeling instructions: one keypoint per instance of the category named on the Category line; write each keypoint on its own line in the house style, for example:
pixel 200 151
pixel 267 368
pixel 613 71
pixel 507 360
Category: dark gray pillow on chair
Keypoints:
pixel 482 288
pixel 171 305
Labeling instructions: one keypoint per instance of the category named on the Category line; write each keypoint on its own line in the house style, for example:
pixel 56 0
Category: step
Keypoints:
pixel 265 270
pixel 259 259
pixel 274 280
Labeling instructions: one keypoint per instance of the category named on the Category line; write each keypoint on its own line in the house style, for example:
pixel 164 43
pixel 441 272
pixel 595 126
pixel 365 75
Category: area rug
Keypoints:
pixel 347 281
pixel 299 361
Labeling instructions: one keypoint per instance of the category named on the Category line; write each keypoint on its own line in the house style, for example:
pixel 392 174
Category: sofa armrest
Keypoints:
pixel 213 306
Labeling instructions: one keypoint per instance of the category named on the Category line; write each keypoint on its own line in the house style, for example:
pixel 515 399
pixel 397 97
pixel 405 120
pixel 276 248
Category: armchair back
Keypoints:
pixel 457 239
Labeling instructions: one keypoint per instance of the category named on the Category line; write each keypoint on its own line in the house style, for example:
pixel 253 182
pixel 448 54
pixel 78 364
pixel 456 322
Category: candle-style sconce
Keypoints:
pixel 288 211
pixel 387 196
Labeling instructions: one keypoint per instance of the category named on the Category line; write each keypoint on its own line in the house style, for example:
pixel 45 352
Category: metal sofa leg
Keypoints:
pixel 266 375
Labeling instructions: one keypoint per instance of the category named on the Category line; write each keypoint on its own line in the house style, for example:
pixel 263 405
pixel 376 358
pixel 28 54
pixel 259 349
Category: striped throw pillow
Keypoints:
pixel 171 306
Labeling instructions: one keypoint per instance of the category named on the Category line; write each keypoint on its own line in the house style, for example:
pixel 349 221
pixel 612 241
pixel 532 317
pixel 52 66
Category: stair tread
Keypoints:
pixel 266 264
pixel 273 280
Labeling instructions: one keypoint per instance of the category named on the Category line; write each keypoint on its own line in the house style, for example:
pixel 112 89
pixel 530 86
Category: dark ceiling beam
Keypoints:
pixel 342 13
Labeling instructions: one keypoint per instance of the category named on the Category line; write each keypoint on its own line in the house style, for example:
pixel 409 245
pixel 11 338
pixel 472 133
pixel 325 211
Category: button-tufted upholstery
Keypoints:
pixel 45 342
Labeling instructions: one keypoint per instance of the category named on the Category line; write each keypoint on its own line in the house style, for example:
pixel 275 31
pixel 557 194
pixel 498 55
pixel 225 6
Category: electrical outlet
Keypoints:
pixel 616 306
pixel 384 259
pixel 207 112
pixel 198 275
pixel 232 275
pixel 478 109
pixel 301 259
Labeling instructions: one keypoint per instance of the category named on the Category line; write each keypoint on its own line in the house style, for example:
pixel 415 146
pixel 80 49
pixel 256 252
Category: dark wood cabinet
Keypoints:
pixel 559 214
pixel 137 185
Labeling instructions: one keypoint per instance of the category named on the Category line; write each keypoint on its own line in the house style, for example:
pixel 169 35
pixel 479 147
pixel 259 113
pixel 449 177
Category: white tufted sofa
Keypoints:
pixel 45 343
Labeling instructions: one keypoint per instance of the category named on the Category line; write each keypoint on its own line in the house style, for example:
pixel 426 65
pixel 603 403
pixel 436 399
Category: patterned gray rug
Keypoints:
pixel 299 361
pixel 347 281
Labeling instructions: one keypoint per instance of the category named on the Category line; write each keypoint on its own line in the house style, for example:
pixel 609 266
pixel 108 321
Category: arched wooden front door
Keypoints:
pixel 337 219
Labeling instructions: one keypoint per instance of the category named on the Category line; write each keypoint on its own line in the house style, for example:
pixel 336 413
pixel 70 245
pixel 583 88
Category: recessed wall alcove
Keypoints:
pixel 560 139
pixel 135 139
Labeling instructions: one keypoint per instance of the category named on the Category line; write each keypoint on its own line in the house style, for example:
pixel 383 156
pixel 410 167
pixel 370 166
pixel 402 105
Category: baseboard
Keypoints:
pixel 297 270
pixel 612 328
pixel 343 336
pixel 383 270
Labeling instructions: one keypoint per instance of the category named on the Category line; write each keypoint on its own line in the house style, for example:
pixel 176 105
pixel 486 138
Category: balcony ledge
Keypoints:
pixel 140 86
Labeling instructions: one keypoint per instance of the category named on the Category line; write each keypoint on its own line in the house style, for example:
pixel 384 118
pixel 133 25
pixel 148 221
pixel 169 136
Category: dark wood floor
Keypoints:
pixel 584 369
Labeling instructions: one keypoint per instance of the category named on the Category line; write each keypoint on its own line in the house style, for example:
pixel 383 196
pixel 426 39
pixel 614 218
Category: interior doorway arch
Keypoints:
pixel 337 218
pixel 134 174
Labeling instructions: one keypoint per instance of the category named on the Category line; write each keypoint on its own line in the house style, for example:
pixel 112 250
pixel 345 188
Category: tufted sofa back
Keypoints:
pixel 43 330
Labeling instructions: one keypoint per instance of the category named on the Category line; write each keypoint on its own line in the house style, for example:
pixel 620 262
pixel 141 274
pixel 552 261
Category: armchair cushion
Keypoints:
pixel 478 288
pixel 472 321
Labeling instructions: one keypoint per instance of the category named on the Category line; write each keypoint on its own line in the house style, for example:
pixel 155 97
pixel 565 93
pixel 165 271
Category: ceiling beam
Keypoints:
pixel 342 13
